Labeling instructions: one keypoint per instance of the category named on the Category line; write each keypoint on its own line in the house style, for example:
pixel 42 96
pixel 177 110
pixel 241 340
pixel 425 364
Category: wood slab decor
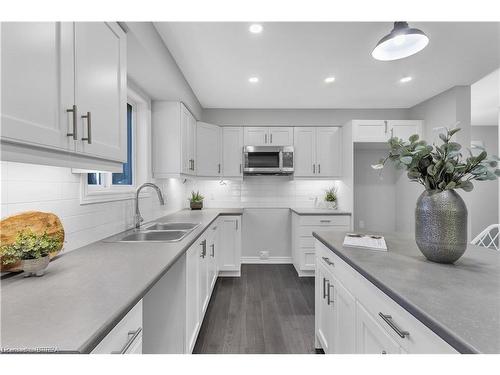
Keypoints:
pixel 38 222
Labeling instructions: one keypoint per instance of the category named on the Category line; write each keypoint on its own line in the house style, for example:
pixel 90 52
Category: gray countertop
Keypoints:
pixel 459 302
pixel 84 293
pixel 317 211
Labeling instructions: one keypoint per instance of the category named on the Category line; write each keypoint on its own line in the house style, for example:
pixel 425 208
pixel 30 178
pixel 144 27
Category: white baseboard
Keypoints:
pixel 270 260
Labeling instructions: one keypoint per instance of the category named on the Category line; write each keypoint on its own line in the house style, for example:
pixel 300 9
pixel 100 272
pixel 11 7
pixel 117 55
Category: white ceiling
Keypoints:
pixel 292 60
pixel 485 100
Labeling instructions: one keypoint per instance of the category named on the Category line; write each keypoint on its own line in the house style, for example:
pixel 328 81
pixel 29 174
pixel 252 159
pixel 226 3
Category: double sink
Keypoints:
pixel 157 232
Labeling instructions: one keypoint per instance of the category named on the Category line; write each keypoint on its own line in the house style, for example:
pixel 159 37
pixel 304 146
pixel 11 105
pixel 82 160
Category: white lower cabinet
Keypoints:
pixel 230 246
pixel 354 316
pixel 193 293
pixel 126 336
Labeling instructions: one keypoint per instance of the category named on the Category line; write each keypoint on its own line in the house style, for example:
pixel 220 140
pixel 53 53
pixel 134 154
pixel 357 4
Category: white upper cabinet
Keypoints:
pixel 405 128
pixel 382 130
pixel 208 150
pixel 56 74
pixel 318 151
pixel 232 151
pixel 100 87
pixel 256 136
pixel 268 136
pixel 173 140
pixel 37 83
pixel 280 136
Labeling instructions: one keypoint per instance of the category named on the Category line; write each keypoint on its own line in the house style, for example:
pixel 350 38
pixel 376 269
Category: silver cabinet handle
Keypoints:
pixel 213 250
pixel 236 222
pixel 74 110
pixel 219 167
pixel 88 138
pixel 390 322
pixel 325 221
pixel 265 138
pixel 240 168
pixel 324 287
pixel 193 165
pixel 132 336
pixel 271 136
pixel 328 261
pixel 314 168
pixel 385 126
pixel 330 300
pixel 203 245
pixel 319 168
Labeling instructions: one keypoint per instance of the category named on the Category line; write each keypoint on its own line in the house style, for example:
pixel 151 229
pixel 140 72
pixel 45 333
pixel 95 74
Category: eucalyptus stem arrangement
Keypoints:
pixel 443 167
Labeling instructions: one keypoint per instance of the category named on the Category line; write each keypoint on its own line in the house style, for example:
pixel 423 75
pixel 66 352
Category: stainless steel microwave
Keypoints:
pixel 273 160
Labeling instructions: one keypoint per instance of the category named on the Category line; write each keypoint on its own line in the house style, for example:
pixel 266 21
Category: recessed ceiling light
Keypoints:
pixel 329 79
pixel 253 79
pixel 255 28
pixel 401 42
pixel 405 79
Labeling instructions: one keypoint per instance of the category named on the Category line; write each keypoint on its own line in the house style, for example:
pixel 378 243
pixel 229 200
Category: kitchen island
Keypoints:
pixel 459 303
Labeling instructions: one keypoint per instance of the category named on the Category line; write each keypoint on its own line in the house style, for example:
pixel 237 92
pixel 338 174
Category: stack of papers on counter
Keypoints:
pixel 366 241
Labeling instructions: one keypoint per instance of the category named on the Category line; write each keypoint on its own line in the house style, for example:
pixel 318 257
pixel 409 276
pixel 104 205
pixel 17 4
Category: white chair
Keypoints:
pixel 489 237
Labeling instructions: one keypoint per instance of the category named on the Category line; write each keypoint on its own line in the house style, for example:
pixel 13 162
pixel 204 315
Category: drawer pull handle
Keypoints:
pixel 389 321
pixel 325 221
pixel 74 111
pixel 88 138
pixel 213 250
pixel 330 300
pixel 324 287
pixel 328 261
pixel 132 336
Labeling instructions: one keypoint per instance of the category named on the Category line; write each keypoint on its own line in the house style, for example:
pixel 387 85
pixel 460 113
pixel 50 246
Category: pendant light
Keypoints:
pixel 401 42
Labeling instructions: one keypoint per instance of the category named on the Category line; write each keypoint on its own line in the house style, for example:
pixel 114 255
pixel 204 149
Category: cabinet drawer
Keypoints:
pixel 126 336
pixel 325 220
pixel 420 339
pixel 306 231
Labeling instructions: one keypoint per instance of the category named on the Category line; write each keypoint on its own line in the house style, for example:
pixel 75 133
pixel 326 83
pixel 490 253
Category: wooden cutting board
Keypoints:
pixel 38 222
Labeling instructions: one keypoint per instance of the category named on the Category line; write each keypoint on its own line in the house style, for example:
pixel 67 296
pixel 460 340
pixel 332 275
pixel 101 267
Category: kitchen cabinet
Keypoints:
pixel 364 319
pixel 382 130
pixel 318 151
pixel 204 293
pixel 49 70
pixel 212 256
pixel 208 150
pixel 193 308
pixel 230 245
pixel 303 252
pixel 268 136
pixel 232 151
pixel 126 336
pixel 173 140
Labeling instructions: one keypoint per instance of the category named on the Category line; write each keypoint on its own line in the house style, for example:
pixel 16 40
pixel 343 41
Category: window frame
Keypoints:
pixel 107 192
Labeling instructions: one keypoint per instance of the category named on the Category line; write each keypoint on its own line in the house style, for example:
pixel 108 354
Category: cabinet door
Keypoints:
pixel 208 150
pixel 230 243
pixel 101 89
pixel 186 144
pixel 203 280
pixel 371 338
pixel 370 131
pixel 192 143
pixel 324 312
pixel 280 136
pixel 232 151
pixel 37 78
pixel 256 136
pixel 305 151
pixel 405 128
pixel 329 152
pixel 192 296
pixel 344 329
pixel 213 249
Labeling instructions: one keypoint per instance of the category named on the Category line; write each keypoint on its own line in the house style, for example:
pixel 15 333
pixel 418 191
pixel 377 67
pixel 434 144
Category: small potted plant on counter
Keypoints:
pixel 32 250
pixel 440 213
pixel 331 198
pixel 196 201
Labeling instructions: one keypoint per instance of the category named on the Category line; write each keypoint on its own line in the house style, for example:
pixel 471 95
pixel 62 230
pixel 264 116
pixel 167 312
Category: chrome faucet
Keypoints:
pixel 138 218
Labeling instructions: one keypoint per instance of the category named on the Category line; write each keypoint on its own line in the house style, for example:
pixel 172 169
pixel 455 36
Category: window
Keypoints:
pixel 109 180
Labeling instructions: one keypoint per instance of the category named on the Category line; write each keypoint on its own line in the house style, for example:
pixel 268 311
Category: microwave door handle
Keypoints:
pixel 281 160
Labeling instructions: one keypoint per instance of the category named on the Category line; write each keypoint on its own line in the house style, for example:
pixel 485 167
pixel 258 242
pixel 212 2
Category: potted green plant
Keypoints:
pixel 32 249
pixel 196 201
pixel 331 198
pixel 440 214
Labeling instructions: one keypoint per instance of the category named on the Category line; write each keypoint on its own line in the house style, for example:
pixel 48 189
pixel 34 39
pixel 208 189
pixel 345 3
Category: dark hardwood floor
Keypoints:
pixel 269 309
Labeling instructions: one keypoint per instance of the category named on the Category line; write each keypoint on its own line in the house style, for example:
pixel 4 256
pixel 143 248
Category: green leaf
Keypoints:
pixel 406 160
pixel 452 132
pixel 443 137
pixel 413 138
pixel 453 146
pixel 466 186
pixel 451 185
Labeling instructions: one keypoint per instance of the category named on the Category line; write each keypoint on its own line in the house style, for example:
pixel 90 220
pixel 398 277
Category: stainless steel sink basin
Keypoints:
pixel 172 226
pixel 155 236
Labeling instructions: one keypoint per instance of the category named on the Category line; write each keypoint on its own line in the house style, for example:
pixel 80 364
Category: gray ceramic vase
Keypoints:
pixel 441 225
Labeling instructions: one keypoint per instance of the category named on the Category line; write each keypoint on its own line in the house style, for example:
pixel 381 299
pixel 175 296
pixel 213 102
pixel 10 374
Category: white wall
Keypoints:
pixel 297 117
pixel 374 191
pixel 483 200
